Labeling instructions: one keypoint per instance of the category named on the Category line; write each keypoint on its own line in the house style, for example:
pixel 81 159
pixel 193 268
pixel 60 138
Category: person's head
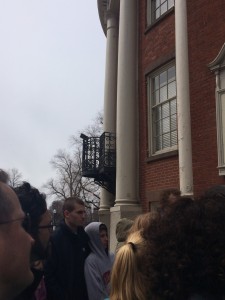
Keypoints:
pixel 34 204
pixel 168 197
pixel 186 250
pixel 15 244
pixel 103 233
pixel 141 222
pixel 98 235
pixel 128 276
pixel 74 212
pixel 215 191
pixel 122 229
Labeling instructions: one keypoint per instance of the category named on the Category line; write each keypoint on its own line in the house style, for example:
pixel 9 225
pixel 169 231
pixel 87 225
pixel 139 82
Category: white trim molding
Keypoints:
pixel 218 67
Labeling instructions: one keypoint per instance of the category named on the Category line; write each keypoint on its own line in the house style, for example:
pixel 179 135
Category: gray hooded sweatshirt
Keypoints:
pixel 97 266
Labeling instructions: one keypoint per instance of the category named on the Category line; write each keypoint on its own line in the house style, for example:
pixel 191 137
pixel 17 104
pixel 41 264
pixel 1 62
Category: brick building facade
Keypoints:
pixel 206 32
pixel 168 101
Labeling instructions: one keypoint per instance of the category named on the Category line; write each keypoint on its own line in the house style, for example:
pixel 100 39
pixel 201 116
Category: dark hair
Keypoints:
pixel 165 195
pixel 33 203
pixel 5 202
pixel 70 202
pixel 4 177
pixel 215 191
pixel 186 250
pixel 103 227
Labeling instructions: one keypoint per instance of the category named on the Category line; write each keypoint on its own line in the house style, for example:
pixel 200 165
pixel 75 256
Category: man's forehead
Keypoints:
pixel 10 197
pixel 79 207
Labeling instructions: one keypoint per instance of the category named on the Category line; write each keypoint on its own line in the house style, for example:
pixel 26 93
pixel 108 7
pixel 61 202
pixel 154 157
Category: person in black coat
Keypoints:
pixel 38 224
pixel 64 269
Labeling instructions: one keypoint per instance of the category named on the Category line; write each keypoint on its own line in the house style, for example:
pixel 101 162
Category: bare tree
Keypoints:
pixel 56 211
pixel 15 177
pixel 68 181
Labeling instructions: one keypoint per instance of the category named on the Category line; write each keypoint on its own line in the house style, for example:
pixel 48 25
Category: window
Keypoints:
pixel 218 67
pixel 156 8
pixel 162 110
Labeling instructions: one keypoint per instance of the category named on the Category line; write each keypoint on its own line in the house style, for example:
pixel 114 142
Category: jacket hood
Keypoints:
pixel 95 243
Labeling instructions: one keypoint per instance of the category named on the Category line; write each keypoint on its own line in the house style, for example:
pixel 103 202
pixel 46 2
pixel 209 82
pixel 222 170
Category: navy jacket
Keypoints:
pixel 64 269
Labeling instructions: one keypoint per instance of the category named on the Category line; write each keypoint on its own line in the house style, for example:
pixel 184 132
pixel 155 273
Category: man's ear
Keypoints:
pixel 66 213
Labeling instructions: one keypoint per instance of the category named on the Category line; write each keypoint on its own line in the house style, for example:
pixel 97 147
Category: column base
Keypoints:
pixel 118 212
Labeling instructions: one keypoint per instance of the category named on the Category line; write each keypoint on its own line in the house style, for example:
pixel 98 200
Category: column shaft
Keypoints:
pixel 127 107
pixel 110 93
pixel 183 99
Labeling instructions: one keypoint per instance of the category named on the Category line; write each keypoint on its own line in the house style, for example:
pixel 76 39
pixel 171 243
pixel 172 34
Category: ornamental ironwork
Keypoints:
pixel 99 159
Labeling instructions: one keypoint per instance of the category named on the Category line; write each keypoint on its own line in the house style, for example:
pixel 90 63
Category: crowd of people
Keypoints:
pixel 174 253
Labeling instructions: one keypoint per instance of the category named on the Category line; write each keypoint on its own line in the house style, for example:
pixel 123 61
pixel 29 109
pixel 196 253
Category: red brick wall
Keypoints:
pixel 206 33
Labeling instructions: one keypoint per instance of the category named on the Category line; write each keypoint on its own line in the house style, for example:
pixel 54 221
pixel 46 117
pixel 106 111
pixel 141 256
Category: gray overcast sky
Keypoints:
pixel 52 60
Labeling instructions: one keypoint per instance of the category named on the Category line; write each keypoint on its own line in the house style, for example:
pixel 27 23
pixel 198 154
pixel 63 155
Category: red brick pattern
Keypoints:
pixel 206 35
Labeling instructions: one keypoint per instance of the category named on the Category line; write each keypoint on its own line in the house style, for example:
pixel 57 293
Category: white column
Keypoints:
pixel 183 99
pixel 127 107
pixel 110 93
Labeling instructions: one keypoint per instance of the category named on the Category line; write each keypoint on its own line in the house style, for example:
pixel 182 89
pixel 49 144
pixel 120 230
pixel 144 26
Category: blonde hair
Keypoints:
pixel 127 276
pixel 141 222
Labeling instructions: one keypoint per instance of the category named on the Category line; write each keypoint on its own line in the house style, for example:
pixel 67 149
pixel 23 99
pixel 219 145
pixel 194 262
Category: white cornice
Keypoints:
pixel 105 6
pixel 219 61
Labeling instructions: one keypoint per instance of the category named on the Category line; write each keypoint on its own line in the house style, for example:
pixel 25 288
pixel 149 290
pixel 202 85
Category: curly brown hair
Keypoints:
pixel 168 197
pixel 187 250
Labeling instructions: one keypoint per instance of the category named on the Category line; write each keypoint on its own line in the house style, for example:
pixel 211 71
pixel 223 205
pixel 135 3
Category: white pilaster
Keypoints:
pixel 183 99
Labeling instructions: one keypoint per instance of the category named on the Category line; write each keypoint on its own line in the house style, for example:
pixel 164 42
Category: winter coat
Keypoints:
pixel 64 270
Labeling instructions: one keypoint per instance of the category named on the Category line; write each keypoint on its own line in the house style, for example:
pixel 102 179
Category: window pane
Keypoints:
pixel 156 83
pixel 171 90
pixel 166 140
pixel 173 106
pixel 163 7
pixel 157 3
pixel 165 110
pixel 173 122
pixel 166 125
pixel 171 74
pixel 163 79
pixel 157 13
pixel 158 128
pixel 173 138
pixel 159 7
pixel 157 113
pixel 170 3
pixel 156 97
pixel 163 94
pixel 221 125
pixel 158 144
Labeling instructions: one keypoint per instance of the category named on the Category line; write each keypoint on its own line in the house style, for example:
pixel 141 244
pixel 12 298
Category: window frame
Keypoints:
pixel 218 67
pixel 149 14
pixel 151 147
pixel 220 105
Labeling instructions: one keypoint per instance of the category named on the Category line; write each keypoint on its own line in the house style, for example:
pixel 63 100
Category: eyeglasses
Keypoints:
pixel 25 222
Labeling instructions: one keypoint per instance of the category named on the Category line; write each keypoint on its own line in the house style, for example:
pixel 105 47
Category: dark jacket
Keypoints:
pixel 64 269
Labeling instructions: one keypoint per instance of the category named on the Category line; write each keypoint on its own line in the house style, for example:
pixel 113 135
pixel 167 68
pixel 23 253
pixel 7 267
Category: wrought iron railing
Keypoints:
pixel 99 159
